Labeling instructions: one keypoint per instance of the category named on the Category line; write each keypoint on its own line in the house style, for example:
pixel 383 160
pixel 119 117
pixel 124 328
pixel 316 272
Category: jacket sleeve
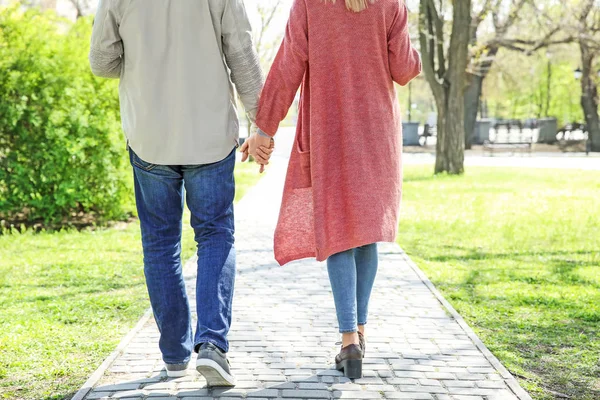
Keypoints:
pixel 106 50
pixel 241 56
pixel 405 61
pixel 287 71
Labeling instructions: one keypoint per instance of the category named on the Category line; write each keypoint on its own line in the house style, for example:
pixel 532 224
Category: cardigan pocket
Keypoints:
pixel 302 170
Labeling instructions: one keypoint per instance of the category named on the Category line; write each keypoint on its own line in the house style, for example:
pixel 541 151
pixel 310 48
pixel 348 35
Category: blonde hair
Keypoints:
pixel 356 5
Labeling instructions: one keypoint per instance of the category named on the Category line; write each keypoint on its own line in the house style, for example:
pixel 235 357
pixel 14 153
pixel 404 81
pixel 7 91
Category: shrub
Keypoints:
pixel 62 155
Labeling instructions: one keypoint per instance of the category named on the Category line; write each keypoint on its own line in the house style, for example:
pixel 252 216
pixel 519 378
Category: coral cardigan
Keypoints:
pixel 344 180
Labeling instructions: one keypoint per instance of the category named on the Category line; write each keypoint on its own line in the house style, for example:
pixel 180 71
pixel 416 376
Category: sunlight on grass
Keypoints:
pixel 66 300
pixel 517 253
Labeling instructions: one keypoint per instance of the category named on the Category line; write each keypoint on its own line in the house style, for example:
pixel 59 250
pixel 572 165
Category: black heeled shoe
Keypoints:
pixel 350 361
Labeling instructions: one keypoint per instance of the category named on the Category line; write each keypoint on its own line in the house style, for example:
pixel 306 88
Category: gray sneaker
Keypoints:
pixel 176 370
pixel 212 363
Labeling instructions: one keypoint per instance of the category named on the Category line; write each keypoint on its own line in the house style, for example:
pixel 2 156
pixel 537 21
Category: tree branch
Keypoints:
pixel 427 42
pixel 528 46
pixel 439 38
pixel 266 18
pixel 482 14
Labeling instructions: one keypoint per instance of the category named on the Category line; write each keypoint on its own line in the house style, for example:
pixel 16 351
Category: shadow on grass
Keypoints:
pixel 545 346
pixel 476 254
pixel 553 336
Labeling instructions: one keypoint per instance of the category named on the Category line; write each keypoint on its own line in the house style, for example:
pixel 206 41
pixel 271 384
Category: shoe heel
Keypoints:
pixel 353 369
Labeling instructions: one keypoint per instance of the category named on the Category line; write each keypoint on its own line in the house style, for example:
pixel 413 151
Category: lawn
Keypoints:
pixel 517 253
pixel 66 300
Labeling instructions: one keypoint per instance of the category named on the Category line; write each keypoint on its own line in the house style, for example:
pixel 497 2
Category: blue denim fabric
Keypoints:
pixel 352 274
pixel 209 192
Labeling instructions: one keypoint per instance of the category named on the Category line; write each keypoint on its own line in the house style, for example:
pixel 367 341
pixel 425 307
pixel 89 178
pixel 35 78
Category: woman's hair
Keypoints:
pixel 356 5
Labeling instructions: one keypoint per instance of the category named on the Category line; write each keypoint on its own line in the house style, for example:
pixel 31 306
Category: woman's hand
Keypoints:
pixel 259 147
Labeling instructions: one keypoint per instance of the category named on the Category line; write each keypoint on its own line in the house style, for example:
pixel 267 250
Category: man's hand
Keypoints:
pixel 259 147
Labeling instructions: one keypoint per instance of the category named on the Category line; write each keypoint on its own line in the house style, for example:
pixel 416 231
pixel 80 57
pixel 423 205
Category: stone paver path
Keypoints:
pixel 284 333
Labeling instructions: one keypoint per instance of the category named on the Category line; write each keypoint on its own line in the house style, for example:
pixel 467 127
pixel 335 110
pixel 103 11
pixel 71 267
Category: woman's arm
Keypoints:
pixel 287 72
pixel 405 61
pixel 106 51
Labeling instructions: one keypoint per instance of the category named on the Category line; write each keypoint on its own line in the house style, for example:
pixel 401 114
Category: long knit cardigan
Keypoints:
pixel 344 181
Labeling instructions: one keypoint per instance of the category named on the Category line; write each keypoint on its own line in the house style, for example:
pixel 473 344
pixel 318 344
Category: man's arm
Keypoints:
pixel 106 50
pixel 241 56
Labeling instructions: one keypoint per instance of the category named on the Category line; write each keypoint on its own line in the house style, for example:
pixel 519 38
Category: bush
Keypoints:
pixel 62 156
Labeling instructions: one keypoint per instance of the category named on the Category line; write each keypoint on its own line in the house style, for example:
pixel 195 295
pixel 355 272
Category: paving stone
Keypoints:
pixel 313 386
pixel 356 395
pixel 98 395
pixel 411 396
pixel 128 394
pixel 192 393
pixel 306 394
pixel 119 387
pixel 491 385
pixel 264 393
pixel 284 333
pixel 456 383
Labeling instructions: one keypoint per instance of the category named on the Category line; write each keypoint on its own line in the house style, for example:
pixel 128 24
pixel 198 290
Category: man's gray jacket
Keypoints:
pixel 178 61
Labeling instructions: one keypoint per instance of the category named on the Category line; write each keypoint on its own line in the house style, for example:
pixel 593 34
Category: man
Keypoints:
pixel 177 61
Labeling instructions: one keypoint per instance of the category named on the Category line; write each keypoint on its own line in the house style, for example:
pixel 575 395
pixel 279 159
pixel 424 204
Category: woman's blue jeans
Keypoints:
pixel 352 274
pixel 209 191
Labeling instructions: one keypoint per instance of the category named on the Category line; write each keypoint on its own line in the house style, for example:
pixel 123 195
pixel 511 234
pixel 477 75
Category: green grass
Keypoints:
pixel 517 253
pixel 67 298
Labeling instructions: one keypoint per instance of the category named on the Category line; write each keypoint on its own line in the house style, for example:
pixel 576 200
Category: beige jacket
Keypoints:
pixel 178 61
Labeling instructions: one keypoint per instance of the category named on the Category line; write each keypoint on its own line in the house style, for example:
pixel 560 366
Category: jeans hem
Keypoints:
pixel 362 323
pixel 217 343
pixel 179 363
pixel 185 362
pixel 348 330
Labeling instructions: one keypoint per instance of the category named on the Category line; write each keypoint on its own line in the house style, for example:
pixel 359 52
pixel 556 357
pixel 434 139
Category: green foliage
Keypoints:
pixel 64 308
pixel 517 87
pixel 61 150
pixel 516 252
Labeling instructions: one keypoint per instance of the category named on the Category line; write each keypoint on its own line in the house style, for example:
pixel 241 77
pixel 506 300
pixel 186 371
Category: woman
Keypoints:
pixel 343 186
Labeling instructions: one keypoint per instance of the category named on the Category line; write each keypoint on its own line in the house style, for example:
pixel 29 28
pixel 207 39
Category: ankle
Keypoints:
pixel 350 338
pixel 361 329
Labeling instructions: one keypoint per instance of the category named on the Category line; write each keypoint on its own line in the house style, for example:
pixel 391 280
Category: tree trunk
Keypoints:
pixel 472 101
pixel 548 90
pixel 589 96
pixel 453 156
pixel 447 81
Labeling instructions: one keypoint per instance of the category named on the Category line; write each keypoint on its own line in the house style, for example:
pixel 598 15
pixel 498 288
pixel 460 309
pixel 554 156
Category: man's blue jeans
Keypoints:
pixel 209 192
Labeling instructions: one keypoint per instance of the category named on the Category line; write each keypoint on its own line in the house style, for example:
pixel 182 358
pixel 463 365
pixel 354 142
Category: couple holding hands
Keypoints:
pixel 180 63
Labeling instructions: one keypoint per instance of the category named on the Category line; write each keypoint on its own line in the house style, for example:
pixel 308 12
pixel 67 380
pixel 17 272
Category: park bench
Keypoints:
pixel 512 139
pixel 574 136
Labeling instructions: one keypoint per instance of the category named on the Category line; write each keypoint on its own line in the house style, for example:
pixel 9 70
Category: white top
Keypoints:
pixel 178 61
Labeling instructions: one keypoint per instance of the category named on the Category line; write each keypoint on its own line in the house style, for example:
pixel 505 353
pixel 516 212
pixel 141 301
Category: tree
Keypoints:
pixel 579 22
pixel 266 49
pixel 587 32
pixel 266 43
pixel 532 32
pixel 483 54
pixel 81 7
pixel 445 71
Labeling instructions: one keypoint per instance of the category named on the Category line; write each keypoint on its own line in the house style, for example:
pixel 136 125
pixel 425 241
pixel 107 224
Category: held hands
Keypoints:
pixel 259 147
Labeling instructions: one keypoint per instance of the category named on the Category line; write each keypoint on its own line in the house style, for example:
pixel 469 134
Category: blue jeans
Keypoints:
pixel 352 274
pixel 209 192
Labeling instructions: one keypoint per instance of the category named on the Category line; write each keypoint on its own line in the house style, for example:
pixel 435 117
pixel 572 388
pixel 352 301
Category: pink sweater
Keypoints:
pixel 344 180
